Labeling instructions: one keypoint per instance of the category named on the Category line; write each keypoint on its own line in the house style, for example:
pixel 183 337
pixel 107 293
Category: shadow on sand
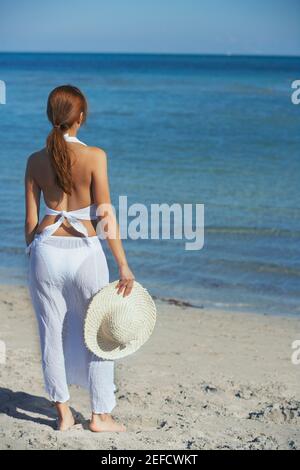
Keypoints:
pixel 22 405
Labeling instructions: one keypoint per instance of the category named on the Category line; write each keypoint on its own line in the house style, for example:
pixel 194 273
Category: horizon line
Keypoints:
pixel 213 54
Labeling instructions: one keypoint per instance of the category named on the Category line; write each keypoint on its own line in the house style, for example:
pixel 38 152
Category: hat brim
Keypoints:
pixel 106 301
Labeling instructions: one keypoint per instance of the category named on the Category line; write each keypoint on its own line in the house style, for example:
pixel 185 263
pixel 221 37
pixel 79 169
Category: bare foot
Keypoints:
pixel 65 422
pixel 105 423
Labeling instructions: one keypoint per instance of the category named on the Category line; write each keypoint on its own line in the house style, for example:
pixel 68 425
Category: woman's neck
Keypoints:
pixel 72 132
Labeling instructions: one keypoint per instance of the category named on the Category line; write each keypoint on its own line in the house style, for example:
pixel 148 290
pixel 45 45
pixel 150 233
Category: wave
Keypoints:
pixel 254 267
pixel 253 231
pixel 13 250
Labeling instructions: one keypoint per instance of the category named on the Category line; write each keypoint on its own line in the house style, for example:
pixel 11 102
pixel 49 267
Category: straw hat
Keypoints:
pixel 116 326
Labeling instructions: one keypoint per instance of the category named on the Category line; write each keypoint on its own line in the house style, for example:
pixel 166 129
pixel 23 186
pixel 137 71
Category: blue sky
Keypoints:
pixel 183 26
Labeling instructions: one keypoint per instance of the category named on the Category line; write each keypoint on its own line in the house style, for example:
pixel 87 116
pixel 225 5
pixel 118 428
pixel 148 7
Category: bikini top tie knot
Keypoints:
pixel 67 215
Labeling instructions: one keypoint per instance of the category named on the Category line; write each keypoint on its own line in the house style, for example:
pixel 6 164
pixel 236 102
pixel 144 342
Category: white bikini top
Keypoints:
pixel 73 217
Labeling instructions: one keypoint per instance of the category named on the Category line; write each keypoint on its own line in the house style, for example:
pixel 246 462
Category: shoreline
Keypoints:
pixel 244 309
pixel 223 381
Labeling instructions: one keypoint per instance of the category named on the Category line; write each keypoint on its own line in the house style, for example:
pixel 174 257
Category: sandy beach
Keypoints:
pixel 205 380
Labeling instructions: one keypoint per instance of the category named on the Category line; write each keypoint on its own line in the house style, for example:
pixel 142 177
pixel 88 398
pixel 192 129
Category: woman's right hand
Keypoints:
pixel 126 281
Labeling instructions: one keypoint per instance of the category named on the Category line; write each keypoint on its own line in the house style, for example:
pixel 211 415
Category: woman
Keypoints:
pixel 67 265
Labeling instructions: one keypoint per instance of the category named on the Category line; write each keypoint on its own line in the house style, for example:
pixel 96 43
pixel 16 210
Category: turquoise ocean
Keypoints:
pixel 217 130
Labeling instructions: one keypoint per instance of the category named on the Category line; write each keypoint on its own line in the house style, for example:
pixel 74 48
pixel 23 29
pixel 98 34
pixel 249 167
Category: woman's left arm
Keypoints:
pixel 32 202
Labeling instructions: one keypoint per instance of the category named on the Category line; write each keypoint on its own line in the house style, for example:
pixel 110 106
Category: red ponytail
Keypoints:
pixel 64 108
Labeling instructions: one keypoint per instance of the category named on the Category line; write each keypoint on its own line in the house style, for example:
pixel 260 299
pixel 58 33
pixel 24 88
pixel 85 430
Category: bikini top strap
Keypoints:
pixel 85 213
pixel 70 138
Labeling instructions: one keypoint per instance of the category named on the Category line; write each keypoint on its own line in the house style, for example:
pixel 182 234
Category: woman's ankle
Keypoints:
pixel 63 409
pixel 101 416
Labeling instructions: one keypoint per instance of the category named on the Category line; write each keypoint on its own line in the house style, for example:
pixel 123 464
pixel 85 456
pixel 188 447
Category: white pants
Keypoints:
pixel 64 273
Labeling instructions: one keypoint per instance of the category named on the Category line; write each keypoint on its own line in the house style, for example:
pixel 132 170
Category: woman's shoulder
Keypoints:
pixel 96 151
pixel 96 154
pixel 35 157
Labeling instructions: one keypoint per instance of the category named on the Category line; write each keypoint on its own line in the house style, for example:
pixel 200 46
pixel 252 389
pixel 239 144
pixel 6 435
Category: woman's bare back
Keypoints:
pixel 84 193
